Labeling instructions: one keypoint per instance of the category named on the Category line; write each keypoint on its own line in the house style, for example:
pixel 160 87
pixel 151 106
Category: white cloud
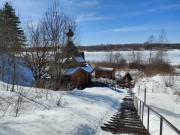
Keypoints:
pixel 142 12
pixel 133 28
pixel 126 29
pixel 88 3
pixel 80 3
pixel 171 6
pixel 89 17
pixel 145 28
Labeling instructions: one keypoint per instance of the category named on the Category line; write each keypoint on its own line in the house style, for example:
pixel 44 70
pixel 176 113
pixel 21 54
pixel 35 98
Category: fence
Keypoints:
pixel 140 106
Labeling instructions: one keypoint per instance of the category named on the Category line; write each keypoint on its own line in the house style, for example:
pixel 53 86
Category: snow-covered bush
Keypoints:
pixel 177 96
pixel 169 81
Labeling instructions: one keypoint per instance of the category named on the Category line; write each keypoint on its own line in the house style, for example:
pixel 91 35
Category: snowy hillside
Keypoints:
pixel 79 112
pixel 162 99
pixel 24 75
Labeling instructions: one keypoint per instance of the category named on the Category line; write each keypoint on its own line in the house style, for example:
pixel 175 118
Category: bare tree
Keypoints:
pixel 162 37
pixel 135 59
pixel 117 57
pixel 110 57
pixel 36 59
pixel 48 40
pixel 151 40
pixel 159 60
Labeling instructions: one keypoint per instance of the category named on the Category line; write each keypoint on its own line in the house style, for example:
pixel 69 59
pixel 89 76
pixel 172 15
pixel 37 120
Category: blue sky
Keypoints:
pixel 112 21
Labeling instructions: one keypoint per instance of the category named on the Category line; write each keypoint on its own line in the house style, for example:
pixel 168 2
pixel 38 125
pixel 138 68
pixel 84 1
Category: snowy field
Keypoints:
pixel 163 100
pixel 173 56
pixel 44 112
pixel 82 112
pixel 78 113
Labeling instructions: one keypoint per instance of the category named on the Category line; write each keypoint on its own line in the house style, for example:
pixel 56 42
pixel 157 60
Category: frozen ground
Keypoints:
pixel 82 112
pixel 163 100
pixel 173 56
pixel 79 112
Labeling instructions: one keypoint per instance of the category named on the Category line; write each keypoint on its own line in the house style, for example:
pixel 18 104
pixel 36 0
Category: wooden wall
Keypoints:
pixel 105 74
pixel 80 79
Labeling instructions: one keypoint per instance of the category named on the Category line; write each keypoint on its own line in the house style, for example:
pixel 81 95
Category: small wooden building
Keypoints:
pixel 79 77
pixel 105 72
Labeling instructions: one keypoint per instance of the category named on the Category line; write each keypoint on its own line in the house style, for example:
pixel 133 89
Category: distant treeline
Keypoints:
pixel 128 47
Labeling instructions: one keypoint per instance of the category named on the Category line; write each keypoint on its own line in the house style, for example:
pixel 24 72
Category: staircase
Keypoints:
pixel 126 120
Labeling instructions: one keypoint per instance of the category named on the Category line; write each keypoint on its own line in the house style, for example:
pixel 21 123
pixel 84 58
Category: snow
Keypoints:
pixel 71 70
pixel 79 59
pixel 86 68
pixel 172 56
pixel 83 112
pixel 105 68
pixel 23 73
pixel 162 100
pixel 80 112
pixel 120 74
pixel 177 70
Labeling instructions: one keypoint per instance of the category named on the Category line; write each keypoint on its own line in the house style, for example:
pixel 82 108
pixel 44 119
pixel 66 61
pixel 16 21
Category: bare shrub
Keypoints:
pixel 135 60
pixel 59 103
pixel 159 62
pixel 169 81
pixel 135 65
pixel 114 60
pixel 21 94
pixel 177 94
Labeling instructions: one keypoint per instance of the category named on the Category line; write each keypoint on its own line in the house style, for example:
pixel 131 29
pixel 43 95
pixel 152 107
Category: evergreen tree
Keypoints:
pixel 1 31
pixel 11 35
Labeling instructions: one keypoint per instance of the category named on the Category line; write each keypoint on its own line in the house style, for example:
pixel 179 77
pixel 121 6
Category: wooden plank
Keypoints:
pixel 125 130
pixel 127 125
pixel 126 120
pixel 136 122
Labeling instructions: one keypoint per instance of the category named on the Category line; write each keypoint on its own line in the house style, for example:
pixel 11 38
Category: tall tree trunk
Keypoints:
pixel 14 72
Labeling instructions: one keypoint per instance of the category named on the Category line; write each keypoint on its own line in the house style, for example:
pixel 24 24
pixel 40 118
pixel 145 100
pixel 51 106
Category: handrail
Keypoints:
pixel 160 116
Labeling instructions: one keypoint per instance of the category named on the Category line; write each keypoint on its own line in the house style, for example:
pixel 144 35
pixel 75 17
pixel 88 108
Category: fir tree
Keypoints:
pixel 12 34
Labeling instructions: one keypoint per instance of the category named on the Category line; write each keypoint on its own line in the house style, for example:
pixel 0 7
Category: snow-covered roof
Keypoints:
pixel 71 71
pixel 75 58
pixel 79 59
pixel 105 68
pixel 87 68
